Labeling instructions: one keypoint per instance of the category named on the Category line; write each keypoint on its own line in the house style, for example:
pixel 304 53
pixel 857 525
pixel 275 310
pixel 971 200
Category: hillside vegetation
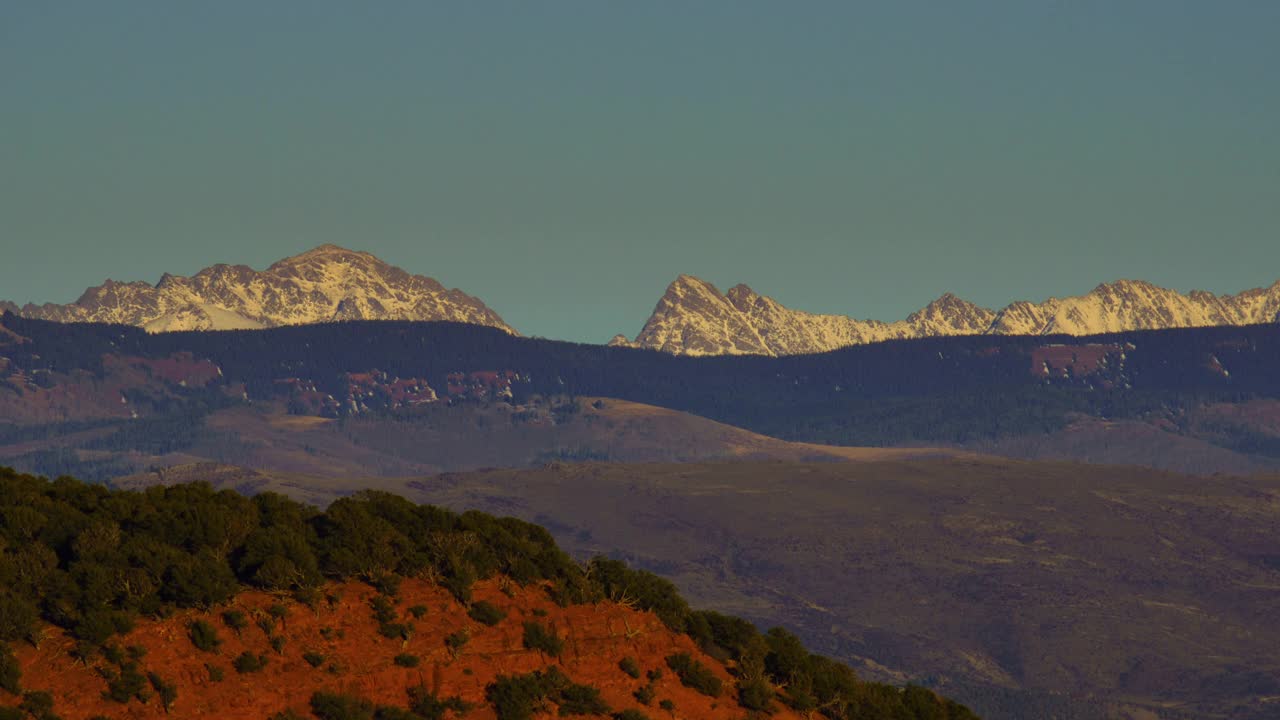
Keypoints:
pixel 87 570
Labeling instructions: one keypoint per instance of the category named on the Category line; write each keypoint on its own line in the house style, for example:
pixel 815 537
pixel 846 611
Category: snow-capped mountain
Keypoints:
pixel 695 318
pixel 326 284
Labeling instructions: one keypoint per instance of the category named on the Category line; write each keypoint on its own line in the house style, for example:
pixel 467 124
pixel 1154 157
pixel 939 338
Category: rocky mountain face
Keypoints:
pixel 696 318
pixel 326 284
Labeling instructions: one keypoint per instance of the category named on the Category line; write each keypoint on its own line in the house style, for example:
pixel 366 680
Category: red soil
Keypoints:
pixel 596 637
pixel 181 368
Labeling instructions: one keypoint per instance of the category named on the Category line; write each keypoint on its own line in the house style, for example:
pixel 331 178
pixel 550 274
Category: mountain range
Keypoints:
pixel 693 317
pixel 923 561
pixel 326 284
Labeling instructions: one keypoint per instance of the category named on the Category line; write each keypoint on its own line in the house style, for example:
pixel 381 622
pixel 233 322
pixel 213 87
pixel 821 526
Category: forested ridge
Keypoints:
pixel 93 561
pixel 955 389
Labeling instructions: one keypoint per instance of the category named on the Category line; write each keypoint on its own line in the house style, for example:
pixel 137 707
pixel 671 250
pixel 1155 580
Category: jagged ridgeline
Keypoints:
pixel 86 565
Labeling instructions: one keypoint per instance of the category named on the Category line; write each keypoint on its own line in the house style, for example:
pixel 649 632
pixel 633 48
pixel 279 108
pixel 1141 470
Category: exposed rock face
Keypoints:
pixel 695 318
pixel 326 284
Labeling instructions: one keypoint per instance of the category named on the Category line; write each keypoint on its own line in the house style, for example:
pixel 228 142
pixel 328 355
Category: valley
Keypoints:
pixel 1018 587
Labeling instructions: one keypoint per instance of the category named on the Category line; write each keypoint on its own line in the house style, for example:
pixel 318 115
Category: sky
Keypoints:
pixel 564 161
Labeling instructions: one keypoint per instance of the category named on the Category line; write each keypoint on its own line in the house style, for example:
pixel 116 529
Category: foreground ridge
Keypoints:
pixel 190 602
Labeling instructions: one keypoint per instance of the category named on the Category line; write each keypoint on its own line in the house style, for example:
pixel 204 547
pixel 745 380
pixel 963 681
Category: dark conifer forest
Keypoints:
pixel 954 389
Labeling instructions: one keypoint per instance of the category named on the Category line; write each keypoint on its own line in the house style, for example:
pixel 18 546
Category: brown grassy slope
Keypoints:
pixel 1123 585
pixel 1236 438
pixel 472 437
pixel 596 637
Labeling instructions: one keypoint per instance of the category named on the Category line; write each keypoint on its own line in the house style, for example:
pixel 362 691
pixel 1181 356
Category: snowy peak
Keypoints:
pixel 327 284
pixel 694 318
pixel 950 315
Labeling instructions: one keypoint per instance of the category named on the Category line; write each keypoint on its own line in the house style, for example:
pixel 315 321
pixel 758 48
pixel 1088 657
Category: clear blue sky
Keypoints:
pixel 565 160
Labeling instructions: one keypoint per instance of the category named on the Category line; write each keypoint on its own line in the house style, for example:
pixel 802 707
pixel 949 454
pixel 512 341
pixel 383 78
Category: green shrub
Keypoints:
pixel 204 636
pixel 538 637
pixel 418 611
pixel 308 596
pixel 384 611
pixel 520 697
pixel 427 706
pixel 278 643
pixel 457 640
pixel 755 694
pixel 459 585
pixel 387 583
pixel 337 706
pixel 721 636
pixel 667 705
pixel 236 620
pixel 645 694
pixel 37 704
pixel 396 631
pixel 314 659
pixel 485 613
pixel 406 660
pixel 11 713
pixel 629 666
pixel 582 700
pixel 18 617
pixel 10 671
pixel 694 674
pixel 631 715
pixel 113 654
pixel 645 590
pixel 127 685
pixel 215 673
pixel 167 691
pixel 516 697
pixel 247 662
